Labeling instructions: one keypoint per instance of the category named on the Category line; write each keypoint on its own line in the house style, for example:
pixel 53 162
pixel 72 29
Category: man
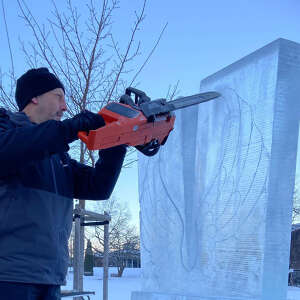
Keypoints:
pixel 38 181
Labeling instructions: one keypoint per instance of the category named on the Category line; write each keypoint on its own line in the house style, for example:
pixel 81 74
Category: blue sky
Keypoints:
pixel 201 38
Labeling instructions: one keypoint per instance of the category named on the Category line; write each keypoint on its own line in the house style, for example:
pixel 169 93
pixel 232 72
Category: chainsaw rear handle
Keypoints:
pixel 83 135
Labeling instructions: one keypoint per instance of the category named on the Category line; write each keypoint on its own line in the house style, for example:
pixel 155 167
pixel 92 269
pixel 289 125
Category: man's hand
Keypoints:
pixel 87 120
pixel 83 121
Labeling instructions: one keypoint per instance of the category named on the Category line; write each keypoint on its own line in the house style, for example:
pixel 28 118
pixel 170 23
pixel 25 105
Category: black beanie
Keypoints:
pixel 33 83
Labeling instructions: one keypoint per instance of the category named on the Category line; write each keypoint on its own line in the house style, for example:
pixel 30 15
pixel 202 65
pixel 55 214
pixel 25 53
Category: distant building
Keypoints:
pixel 295 247
pixel 131 259
pixel 294 277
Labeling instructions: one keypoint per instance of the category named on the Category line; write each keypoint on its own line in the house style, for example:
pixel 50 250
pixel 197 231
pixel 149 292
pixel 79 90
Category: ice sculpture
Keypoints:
pixel 216 201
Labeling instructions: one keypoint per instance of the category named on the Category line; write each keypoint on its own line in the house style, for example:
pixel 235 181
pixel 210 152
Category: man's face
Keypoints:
pixel 51 105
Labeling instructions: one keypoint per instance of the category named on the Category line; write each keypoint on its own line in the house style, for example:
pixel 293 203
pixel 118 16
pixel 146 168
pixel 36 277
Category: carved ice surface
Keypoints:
pixel 216 201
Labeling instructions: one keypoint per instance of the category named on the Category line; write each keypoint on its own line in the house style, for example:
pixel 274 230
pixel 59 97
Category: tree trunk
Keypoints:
pixel 120 271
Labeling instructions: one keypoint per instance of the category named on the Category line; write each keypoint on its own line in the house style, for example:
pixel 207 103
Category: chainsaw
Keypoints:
pixel 141 123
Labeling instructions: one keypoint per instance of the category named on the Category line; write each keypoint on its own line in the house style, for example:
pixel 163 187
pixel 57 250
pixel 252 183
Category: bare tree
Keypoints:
pixel 8 77
pixel 123 237
pixel 79 47
pixel 296 206
pixel 83 52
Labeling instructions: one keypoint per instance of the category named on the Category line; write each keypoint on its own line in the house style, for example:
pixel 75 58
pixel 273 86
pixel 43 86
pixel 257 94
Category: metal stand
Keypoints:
pixel 94 219
pixel 67 294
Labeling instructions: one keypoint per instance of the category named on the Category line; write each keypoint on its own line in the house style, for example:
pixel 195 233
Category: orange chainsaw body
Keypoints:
pixel 126 125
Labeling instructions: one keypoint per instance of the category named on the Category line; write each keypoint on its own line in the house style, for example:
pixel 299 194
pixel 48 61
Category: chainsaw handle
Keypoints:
pixel 84 135
pixel 149 149
pixel 140 96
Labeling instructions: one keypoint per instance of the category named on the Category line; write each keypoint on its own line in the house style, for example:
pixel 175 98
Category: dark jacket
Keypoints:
pixel 38 181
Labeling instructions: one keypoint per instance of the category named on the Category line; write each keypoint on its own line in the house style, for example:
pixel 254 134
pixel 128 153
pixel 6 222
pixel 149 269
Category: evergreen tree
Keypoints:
pixel 89 260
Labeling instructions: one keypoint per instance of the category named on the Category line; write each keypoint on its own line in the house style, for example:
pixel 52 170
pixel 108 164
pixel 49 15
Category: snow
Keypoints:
pixel 121 288
pixel 118 288
pixel 293 293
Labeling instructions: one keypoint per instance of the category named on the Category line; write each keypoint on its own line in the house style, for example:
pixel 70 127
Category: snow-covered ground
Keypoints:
pixel 118 288
pixel 121 288
pixel 293 293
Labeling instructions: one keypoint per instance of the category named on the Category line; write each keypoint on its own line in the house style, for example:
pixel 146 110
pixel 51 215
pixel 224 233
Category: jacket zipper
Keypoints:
pixel 53 176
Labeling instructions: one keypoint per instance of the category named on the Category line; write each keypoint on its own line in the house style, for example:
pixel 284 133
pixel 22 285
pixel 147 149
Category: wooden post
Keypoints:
pixel 77 250
pixel 105 260
pixel 81 258
pixel 80 216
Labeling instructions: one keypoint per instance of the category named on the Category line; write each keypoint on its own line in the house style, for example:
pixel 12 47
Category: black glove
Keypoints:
pixel 83 121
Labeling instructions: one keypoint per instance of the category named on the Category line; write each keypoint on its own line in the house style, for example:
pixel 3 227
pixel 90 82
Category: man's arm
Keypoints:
pixel 98 183
pixel 20 145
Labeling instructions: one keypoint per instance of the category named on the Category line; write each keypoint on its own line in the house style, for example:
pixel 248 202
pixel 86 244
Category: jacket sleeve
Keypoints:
pixel 98 183
pixel 21 145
